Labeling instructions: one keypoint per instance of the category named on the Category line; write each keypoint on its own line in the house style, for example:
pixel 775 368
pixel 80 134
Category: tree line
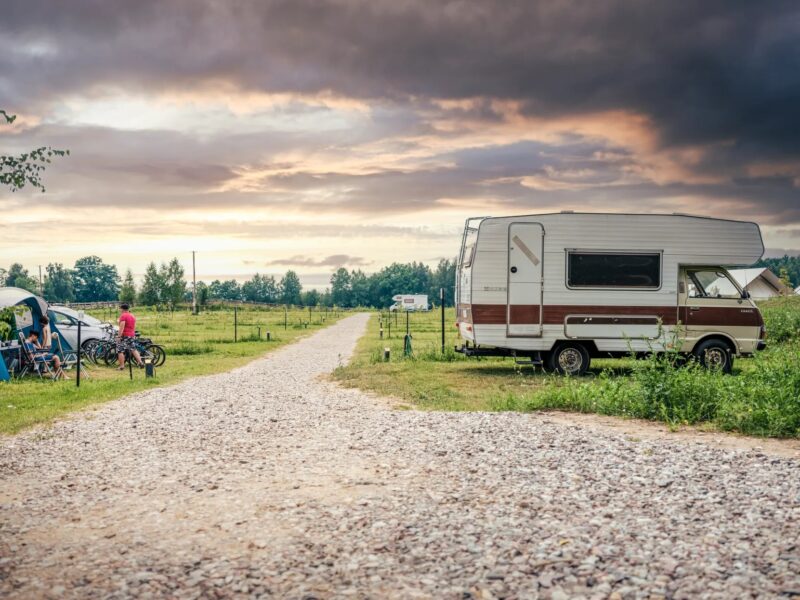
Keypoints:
pixel 92 280
pixel 786 267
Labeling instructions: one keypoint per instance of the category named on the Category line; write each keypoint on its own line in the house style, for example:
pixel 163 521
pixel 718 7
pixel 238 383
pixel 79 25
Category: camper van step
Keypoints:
pixel 530 362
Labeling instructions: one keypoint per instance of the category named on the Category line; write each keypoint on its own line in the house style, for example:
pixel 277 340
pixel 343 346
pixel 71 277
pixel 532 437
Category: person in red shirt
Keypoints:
pixel 127 331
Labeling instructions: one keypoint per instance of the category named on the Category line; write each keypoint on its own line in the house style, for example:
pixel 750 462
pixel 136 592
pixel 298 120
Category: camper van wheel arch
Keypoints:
pixel 715 353
pixel 569 358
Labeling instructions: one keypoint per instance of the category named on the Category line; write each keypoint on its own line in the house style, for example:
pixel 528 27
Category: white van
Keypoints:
pixel 559 289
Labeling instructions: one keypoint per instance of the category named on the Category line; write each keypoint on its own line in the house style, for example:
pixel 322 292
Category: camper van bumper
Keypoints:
pixel 490 351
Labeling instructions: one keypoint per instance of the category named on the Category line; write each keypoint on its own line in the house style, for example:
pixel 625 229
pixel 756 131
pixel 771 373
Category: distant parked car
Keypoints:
pixel 66 322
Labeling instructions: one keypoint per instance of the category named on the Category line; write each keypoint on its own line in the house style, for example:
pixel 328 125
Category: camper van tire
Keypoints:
pixel 715 354
pixel 569 358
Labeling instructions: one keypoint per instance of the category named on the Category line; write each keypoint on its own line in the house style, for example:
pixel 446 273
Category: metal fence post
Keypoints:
pixel 78 366
pixel 441 299
pixel 235 324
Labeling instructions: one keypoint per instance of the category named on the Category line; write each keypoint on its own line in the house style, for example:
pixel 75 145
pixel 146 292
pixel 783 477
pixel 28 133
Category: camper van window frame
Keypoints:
pixel 469 253
pixel 659 253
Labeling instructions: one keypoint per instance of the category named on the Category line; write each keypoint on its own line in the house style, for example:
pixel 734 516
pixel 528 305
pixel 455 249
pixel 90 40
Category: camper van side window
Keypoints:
pixel 612 270
pixel 469 254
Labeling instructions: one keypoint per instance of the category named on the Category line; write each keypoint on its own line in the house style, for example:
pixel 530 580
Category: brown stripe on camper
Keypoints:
pixel 733 316
pixel 521 314
pixel 554 314
pixel 495 314
pixel 620 320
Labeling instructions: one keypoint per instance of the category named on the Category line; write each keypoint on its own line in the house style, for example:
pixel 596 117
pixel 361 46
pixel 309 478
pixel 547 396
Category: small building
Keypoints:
pixel 760 282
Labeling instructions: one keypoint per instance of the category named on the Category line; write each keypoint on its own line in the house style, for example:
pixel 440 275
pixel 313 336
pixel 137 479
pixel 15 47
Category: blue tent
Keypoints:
pixel 28 308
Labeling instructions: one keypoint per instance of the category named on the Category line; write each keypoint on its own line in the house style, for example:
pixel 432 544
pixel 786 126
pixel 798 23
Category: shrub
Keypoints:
pixel 190 348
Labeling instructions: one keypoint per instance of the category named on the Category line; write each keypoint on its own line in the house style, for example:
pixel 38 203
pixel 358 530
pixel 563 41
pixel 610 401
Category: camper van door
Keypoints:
pixel 524 292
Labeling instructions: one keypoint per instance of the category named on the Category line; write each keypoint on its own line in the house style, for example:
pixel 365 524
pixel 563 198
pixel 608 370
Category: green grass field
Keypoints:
pixel 762 397
pixel 195 345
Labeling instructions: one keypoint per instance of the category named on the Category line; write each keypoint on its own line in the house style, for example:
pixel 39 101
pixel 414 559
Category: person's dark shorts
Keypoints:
pixel 124 344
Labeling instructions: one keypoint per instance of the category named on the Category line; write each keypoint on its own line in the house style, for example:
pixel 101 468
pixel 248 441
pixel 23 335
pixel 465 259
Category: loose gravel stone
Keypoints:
pixel 270 481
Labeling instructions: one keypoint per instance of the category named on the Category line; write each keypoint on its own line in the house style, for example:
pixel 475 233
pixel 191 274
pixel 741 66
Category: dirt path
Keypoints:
pixel 270 481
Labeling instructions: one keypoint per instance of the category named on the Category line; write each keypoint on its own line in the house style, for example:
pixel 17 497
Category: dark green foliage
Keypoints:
pixel 173 283
pixel 261 288
pixel 354 288
pixel 310 298
pixel 225 290
pixel 202 293
pixel 17 276
pixel 788 265
pixel 150 293
pixel 94 280
pixel 782 319
pixel 189 349
pixel 127 293
pixel 291 288
pixel 7 323
pixel 58 285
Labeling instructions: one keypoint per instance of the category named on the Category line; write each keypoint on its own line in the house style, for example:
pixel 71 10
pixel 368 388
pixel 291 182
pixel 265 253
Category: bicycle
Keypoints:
pixel 147 351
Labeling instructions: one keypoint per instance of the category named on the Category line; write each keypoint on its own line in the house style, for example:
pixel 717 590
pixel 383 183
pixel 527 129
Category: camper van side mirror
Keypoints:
pixel 745 294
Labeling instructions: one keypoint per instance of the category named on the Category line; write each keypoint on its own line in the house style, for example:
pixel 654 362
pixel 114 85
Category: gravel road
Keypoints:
pixel 271 481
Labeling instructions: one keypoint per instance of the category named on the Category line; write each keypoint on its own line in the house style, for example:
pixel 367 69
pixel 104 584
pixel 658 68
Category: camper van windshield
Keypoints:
pixel 711 284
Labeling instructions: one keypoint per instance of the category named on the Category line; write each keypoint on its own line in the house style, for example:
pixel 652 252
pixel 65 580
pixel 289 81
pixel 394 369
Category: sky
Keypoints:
pixel 313 134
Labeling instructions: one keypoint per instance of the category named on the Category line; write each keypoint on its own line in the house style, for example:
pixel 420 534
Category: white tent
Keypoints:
pixel 760 282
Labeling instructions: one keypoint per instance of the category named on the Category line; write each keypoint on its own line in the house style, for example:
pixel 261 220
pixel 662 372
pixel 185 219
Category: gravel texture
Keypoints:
pixel 271 481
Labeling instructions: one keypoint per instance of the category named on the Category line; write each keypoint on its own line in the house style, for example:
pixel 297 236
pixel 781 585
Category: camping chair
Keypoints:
pixel 68 357
pixel 31 364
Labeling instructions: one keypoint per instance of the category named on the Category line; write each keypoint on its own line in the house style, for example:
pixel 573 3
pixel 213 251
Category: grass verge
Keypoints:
pixel 195 345
pixel 761 398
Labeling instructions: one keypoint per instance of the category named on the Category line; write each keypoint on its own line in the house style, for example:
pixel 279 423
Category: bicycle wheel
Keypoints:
pixel 159 355
pixel 89 348
pixel 110 355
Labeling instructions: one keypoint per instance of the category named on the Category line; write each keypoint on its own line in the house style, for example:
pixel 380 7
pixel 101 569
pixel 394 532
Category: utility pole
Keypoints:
pixel 194 287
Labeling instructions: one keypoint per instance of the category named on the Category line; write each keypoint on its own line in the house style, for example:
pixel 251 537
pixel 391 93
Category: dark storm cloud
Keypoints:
pixel 704 72
pixel 721 75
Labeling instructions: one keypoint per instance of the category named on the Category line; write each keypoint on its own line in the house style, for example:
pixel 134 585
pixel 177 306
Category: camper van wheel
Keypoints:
pixel 569 358
pixel 715 355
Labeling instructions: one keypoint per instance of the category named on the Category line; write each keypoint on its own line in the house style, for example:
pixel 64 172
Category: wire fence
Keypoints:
pixel 222 323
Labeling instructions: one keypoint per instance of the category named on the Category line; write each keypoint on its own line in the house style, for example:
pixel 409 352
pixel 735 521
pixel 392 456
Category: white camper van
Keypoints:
pixel 409 302
pixel 559 289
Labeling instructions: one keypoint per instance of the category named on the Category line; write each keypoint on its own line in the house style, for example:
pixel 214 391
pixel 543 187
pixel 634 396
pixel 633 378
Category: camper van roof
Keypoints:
pixel 11 296
pixel 582 213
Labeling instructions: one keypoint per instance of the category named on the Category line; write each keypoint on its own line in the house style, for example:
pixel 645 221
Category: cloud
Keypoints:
pixel 282 119
pixel 781 252
pixel 705 72
pixel 335 260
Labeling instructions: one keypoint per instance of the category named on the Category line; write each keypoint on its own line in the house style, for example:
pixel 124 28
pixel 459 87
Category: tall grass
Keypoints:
pixel 764 400
pixel 761 397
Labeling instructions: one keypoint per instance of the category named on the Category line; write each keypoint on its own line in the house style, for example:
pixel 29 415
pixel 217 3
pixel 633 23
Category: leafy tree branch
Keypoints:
pixel 26 169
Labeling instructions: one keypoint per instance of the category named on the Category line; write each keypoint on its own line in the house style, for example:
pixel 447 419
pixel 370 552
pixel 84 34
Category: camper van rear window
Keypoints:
pixel 623 270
